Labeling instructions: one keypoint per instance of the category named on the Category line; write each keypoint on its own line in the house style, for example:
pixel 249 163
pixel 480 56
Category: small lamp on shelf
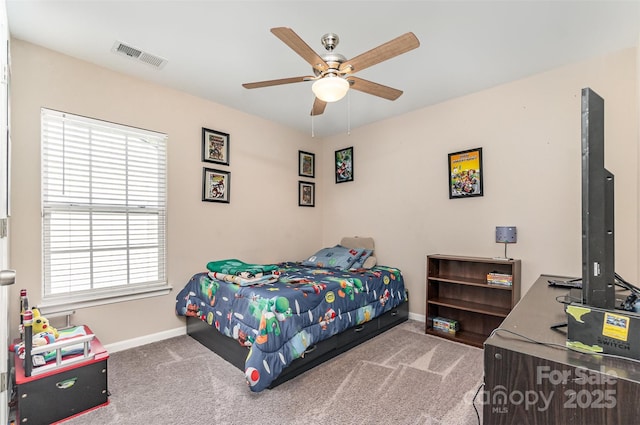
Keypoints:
pixel 506 235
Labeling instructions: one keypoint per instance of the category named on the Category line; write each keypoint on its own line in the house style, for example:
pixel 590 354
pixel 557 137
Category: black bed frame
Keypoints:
pixel 230 350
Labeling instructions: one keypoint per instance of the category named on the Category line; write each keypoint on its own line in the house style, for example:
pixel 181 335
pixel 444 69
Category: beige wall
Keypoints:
pixel 529 131
pixel 530 134
pixel 262 223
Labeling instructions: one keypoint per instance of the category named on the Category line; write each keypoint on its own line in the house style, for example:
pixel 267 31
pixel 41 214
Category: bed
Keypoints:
pixel 276 321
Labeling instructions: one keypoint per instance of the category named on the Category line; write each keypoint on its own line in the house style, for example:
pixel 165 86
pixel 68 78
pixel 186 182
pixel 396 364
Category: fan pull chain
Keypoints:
pixel 312 132
pixel 348 114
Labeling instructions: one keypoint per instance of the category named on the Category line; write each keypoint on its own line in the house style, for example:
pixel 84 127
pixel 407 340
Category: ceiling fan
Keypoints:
pixel 333 72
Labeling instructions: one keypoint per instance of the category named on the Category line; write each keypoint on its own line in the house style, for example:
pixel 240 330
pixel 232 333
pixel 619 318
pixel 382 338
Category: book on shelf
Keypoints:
pixel 496 278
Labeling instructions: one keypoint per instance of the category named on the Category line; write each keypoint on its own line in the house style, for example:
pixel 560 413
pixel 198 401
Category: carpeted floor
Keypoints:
pixel 400 377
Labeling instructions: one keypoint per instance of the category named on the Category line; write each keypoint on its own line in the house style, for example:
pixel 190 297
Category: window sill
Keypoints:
pixel 65 303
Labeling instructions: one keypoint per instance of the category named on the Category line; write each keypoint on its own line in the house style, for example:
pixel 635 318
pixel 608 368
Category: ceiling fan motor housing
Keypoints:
pixel 333 60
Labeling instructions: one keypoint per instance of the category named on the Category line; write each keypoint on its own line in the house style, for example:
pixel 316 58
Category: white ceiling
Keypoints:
pixel 212 47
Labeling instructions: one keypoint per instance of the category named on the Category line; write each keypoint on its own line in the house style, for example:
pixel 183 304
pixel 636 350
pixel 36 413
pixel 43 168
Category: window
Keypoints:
pixel 103 210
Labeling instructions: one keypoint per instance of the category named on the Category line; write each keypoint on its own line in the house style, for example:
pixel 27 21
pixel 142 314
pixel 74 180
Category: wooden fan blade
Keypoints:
pixel 318 107
pixel 386 51
pixel 291 39
pixel 375 89
pixel 275 82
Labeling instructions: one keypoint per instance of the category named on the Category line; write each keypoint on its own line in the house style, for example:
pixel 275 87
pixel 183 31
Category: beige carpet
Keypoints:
pixel 400 377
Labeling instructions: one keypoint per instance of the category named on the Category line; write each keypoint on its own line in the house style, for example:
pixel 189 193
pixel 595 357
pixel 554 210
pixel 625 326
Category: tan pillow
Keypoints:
pixel 357 242
pixel 369 262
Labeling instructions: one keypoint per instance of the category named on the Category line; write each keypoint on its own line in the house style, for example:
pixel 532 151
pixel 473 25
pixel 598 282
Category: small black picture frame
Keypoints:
pixel 465 174
pixel 215 146
pixel 306 194
pixel 344 165
pixel 216 185
pixel 306 164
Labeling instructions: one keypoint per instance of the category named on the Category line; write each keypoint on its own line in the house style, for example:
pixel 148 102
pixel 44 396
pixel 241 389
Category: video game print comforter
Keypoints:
pixel 280 320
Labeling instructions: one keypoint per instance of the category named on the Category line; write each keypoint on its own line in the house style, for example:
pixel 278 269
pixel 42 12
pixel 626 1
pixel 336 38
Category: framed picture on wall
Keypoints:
pixel 306 194
pixel 344 165
pixel 215 185
pixel 465 174
pixel 306 164
pixel 215 146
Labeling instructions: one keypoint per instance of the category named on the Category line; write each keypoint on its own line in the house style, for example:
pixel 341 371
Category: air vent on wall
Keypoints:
pixel 139 55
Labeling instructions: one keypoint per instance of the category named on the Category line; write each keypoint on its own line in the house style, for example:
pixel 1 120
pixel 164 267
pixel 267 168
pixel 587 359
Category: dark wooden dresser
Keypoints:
pixel 528 382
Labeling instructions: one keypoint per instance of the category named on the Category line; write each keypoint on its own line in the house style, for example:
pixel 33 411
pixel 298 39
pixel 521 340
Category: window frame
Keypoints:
pixel 151 211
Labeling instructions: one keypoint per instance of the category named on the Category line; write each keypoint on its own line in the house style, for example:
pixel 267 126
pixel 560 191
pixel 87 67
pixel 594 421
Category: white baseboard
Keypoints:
pixel 146 339
pixel 418 317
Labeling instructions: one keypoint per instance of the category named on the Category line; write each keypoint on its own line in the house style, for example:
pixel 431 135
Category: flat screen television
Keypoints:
pixel 598 259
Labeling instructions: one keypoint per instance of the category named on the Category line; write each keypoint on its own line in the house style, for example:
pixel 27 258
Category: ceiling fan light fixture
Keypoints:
pixel 330 88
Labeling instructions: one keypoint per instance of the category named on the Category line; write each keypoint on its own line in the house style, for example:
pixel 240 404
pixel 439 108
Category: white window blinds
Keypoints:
pixel 103 208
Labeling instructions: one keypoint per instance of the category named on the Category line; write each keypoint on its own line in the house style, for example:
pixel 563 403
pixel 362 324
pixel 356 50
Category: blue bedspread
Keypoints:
pixel 280 320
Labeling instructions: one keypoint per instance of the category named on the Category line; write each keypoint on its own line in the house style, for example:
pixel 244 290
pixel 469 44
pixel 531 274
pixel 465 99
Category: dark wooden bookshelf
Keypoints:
pixel 457 289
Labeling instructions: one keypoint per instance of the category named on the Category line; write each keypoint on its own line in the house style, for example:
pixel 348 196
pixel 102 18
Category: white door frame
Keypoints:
pixel 5 384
